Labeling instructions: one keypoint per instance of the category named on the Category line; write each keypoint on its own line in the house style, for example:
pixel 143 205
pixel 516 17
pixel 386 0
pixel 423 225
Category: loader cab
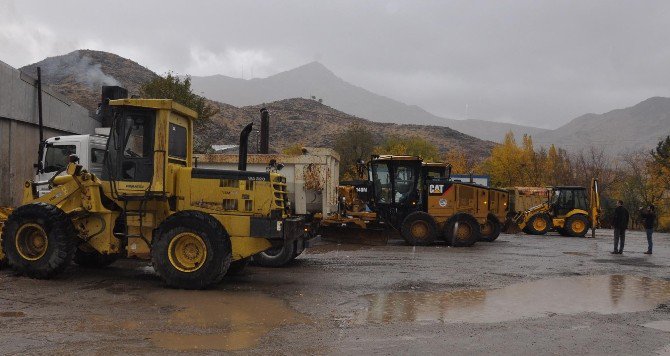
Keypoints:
pixel 149 140
pixel 565 199
pixel 395 181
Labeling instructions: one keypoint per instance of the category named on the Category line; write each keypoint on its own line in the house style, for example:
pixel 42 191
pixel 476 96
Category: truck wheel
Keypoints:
pixel 237 267
pixel 490 230
pixel 191 250
pixel 538 224
pixel 276 256
pixel 577 225
pixel 89 258
pixel 419 229
pixel 39 240
pixel 462 230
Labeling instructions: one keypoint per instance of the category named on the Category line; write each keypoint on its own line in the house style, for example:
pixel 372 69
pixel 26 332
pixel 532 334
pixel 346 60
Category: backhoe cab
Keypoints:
pixel 569 210
pixel 149 202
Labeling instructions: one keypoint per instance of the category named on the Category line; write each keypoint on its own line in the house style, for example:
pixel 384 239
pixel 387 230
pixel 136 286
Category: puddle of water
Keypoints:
pixel 225 321
pixel 606 294
pixel 663 325
pixel 12 314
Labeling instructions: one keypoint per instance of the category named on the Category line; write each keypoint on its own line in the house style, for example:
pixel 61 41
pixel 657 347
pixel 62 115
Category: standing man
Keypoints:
pixel 649 217
pixel 620 224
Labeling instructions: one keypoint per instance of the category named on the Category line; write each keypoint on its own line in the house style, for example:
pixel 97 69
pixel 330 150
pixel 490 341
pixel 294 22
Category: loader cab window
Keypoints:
pixel 381 178
pixel 130 146
pixel 564 201
pixel 57 157
pixel 177 142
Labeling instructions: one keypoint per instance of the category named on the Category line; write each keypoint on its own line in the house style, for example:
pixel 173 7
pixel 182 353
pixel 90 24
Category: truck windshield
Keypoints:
pixel 56 157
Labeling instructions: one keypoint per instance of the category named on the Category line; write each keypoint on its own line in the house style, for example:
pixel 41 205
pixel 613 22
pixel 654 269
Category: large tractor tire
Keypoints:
pixel 538 224
pixel 490 230
pixel 462 230
pixel 419 229
pixel 576 225
pixel 191 250
pixel 89 258
pixel 39 240
pixel 276 256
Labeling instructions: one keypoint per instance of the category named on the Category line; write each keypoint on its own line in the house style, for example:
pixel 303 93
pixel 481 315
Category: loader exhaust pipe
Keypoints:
pixel 244 145
pixel 40 150
pixel 265 132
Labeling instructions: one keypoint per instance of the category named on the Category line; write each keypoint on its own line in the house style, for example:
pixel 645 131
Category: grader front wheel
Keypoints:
pixel 191 250
pixel 39 240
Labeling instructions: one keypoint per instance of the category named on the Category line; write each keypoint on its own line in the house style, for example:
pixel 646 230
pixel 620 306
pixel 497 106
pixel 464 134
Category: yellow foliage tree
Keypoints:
pixel 411 146
pixel 505 164
pixel 458 160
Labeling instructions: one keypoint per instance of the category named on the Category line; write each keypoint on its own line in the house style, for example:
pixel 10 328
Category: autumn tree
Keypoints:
pixel 353 144
pixel 411 146
pixel 173 87
pixel 504 166
pixel 459 161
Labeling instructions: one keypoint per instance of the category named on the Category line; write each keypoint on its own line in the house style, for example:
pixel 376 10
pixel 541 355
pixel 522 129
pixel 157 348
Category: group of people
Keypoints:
pixel 620 224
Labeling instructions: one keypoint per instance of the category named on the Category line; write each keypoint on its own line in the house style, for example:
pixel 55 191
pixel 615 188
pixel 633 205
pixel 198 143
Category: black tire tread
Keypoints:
pixel 59 228
pixel 462 218
pixel 190 219
pixel 405 230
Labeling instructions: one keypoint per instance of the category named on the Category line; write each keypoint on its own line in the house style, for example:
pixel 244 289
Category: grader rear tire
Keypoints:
pixel 39 240
pixel 419 229
pixel 577 225
pixel 462 230
pixel 538 224
pixel 490 230
pixel 191 250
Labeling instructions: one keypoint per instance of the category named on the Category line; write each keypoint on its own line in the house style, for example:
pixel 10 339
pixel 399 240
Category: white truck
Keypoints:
pixel 89 148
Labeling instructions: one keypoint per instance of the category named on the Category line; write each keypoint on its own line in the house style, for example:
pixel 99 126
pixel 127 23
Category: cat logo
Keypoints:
pixel 436 189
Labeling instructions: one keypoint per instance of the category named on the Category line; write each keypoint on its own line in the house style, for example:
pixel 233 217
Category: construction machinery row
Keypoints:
pixel 133 191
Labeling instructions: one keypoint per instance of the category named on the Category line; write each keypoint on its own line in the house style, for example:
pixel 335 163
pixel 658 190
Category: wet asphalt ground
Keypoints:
pixel 518 295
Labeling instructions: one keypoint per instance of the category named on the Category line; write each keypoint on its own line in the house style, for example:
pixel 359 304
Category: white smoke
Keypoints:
pixel 91 73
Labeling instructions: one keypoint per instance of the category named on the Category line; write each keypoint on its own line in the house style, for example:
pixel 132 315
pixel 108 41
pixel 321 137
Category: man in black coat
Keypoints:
pixel 649 217
pixel 620 224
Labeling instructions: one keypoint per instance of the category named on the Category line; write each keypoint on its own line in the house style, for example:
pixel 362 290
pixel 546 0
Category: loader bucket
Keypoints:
pixel 346 234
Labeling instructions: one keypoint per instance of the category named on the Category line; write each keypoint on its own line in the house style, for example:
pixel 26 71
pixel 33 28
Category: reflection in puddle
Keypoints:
pixel 598 294
pixel 222 320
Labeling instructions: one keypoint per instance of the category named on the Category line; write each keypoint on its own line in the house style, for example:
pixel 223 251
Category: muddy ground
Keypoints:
pixel 519 295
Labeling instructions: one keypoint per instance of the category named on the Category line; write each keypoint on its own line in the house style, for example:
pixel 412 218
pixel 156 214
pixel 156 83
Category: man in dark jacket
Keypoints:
pixel 648 215
pixel 620 224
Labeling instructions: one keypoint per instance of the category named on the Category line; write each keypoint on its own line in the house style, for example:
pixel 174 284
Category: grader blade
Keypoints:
pixel 344 234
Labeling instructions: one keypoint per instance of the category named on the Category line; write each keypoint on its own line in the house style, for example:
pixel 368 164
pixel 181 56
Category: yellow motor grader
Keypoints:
pixel 569 210
pixel 418 201
pixel 150 203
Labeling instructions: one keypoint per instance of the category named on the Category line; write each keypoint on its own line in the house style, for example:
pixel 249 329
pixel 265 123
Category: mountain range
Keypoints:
pixel 299 119
pixel 315 80
pixel 80 74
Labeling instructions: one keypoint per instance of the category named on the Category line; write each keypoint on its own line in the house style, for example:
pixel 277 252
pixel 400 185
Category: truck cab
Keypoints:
pixel 89 148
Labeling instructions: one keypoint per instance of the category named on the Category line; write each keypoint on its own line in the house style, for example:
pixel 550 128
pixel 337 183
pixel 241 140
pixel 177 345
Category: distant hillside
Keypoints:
pixel 638 127
pixel 314 79
pixel 310 123
pixel 80 74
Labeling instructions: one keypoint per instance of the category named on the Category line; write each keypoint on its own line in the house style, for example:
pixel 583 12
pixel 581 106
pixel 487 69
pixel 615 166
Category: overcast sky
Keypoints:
pixel 537 63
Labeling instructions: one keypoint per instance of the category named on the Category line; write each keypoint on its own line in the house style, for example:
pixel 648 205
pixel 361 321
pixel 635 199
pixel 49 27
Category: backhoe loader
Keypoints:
pixel 149 202
pixel 569 210
pixel 419 202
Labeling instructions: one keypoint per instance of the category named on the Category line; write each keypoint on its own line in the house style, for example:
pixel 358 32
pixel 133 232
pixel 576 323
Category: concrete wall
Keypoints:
pixel 19 133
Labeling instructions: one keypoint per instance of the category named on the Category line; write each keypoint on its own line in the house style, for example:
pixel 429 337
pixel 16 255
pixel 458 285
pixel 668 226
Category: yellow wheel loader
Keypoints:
pixel 150 203
pixel 419 202
pixel 569 210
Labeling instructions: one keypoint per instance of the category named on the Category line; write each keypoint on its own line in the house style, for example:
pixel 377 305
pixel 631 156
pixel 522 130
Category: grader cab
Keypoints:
pixel 149 203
